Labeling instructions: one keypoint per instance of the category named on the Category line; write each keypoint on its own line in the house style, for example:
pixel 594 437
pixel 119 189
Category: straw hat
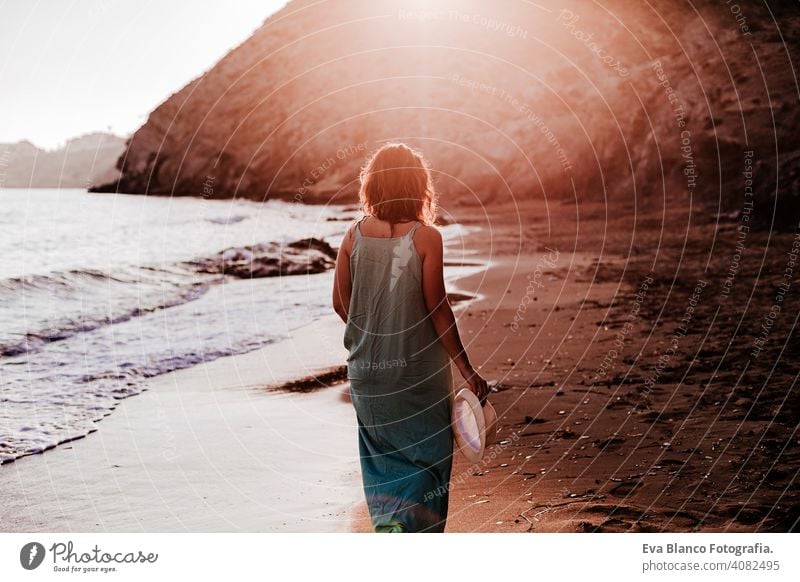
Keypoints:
pixel 474 426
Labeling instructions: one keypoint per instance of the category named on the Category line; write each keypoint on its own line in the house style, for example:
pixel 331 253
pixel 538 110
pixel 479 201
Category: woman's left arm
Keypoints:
pixel 342 284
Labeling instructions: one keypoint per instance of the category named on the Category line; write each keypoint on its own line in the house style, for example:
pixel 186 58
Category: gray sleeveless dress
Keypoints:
pixel 400 385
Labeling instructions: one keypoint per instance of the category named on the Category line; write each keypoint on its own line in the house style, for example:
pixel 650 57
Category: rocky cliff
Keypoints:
pixel 634 102
pixel 82 162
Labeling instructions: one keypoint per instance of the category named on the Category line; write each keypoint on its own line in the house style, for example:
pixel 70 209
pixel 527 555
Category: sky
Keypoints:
pixel 70 67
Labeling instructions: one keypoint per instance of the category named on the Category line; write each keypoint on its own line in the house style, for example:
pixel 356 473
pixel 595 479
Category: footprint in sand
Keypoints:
pixel 625 489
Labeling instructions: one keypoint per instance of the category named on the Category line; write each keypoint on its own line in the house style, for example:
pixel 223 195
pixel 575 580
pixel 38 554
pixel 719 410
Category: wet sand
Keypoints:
pixel 211 448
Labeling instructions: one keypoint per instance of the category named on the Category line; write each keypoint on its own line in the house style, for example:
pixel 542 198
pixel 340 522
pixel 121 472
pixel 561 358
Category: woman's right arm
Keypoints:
pixel 429 244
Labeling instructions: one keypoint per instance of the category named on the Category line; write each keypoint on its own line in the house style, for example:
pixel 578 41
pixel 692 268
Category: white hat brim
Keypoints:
pixel 490 420
pixel 469 425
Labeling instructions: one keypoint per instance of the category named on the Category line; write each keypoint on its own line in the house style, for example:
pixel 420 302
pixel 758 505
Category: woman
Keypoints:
pixel 401 336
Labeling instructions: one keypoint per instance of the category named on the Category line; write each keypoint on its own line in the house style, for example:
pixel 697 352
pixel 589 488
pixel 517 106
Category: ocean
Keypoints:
pixel 99 292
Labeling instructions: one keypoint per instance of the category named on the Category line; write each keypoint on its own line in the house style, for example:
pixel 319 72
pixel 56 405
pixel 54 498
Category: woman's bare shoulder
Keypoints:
pixel 428 232
pixel 427 238
pixel 351 230
pixel 349 236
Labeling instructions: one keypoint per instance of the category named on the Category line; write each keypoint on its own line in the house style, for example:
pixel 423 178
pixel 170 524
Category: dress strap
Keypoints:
pixel 358 226
pixel 410 233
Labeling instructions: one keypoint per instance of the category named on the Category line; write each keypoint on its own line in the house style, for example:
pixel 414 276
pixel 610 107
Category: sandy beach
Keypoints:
pixel 599 430
pixel 631 397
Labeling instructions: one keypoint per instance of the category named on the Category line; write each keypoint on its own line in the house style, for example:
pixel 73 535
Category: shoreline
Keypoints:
pixel 215 447
pixel 145 467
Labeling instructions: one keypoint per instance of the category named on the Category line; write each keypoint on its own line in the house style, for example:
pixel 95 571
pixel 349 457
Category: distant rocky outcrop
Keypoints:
pixel 635 102
pixel 82 162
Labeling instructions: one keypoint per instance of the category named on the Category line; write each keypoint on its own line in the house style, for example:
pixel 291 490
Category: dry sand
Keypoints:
pixel 612 418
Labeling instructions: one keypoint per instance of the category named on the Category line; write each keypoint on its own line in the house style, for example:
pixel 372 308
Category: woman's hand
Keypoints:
pixel 477 385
